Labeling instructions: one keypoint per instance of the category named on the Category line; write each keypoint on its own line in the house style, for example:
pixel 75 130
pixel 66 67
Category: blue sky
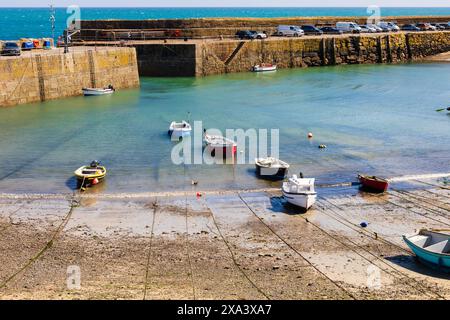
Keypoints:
pixel 228 3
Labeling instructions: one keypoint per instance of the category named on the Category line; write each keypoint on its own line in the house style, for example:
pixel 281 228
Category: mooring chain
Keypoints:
pixel 380 239
pixel 150 249
pixel 296 251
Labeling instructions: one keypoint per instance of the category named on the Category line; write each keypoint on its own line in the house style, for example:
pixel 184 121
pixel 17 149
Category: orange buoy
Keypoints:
pixel 310 135
pixel 199 194
pixel 95 181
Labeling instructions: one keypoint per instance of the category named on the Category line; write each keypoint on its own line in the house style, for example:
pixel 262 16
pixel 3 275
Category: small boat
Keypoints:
pixel 264 67
pixel 219 143
pixel 299 192
pixel 91 174
pixel 179 130
pixel 431 247
pixel 271 168
pixel 373 183
pixel 98 92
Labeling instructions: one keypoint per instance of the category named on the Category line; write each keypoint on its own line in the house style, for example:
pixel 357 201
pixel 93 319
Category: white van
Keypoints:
pixel 294 31
pixel 348 27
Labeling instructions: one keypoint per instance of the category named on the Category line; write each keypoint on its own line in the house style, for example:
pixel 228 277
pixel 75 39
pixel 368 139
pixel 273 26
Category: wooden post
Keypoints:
pixel 40 74
pixel 408 47
pixel 379 50
pixel 388 48
pixel 333 51
pixel 92 69
pixel 323 51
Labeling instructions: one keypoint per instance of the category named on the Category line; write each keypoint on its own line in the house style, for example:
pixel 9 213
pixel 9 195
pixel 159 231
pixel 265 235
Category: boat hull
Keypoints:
pixel 303 201
pixel 373 185
pixel 436 260
pixel 271 173
pixel 97 92
pixel 85 179
pixel 264 69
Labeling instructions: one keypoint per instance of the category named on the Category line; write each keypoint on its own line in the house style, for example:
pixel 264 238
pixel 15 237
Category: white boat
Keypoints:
pixel 220 144
pixel 179 130
pixel 271 168
pixel 299 192
pixel 264 67
pixel 98 92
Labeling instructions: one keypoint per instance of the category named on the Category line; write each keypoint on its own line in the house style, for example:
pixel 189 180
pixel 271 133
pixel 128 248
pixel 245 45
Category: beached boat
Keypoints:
pixel 271 168
pixel 179 130
pixel 299 192
pixel 98 92
pixel 431 247
pixel 373 183
pixel 264 67
pixel 91 174
pixel 220 144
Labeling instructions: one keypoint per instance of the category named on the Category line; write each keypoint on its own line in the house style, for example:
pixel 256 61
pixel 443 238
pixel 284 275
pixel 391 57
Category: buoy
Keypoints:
pixel 310 135
pixel 199 194
pixel 322 146
pixel 363 224
pixel 95 181
pixel 194 183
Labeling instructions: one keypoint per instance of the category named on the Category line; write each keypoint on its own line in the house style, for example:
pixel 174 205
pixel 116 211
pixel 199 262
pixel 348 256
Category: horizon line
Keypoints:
pixel 202 7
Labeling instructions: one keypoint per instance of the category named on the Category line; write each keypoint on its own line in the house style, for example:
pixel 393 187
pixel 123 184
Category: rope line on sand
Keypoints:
pixel 150 249
pixel 380 239
pixel 188 251
pixel 234 258
pixel 10 217
pixel 423 199
pixel 49 244
pixel 296 251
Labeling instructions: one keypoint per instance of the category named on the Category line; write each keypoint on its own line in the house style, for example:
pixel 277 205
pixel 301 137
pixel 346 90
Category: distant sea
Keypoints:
pixel 18 23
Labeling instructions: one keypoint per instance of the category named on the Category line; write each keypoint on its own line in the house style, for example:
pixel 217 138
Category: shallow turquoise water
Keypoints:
pixel 379 119
pixel 16 23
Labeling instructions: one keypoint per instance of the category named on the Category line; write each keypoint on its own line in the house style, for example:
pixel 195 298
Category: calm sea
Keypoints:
pixel 379 119
pixel 16 23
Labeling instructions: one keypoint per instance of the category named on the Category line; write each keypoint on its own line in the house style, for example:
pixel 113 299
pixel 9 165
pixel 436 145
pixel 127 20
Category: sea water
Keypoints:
pixel 377 119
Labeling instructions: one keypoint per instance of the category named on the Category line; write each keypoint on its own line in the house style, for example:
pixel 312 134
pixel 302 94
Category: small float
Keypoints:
pixel 271 168
pixel 299 192
pixel 179 130
pixel 88 92
pixel 264 67
pixel 373 183
pixel 431 247
pixel 220 144
pixel 91 174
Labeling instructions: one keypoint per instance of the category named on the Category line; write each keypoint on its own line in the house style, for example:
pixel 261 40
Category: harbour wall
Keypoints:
pixel 214 27
pixel 203 58
pixel 47 75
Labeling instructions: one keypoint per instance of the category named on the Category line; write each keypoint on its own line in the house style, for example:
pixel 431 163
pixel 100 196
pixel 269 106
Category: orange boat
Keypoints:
pixel 373 183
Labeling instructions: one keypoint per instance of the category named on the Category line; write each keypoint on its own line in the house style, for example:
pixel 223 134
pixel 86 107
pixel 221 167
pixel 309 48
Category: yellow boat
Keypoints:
pixel 91 174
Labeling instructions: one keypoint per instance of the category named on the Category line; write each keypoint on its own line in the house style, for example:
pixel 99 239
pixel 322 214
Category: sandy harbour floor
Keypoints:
pixel 222 245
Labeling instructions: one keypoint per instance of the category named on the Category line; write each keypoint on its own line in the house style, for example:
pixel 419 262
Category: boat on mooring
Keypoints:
pixel 263 67
pixel 179 130
pixel 91 174
pixel 373 183
pixel 431 247
pixel 220 144
pixel 271 168
pixel 299 192
pixel 88 92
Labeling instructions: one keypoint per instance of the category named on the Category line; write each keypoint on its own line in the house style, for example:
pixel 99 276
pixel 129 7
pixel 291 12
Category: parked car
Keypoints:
pixel 259 34
pixel 27 45
pixel 367 28
pixel 379 29
pixel 439 26
pixel 425 27
pixel 309 29
pixel 11 49
pixel 348 27
pixel 245 34
pixel 294 31
pixel 331 30
pixel 410 27
pixel 388 26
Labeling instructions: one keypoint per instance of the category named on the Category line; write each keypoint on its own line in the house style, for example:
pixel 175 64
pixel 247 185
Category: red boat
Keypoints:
pixel 373 183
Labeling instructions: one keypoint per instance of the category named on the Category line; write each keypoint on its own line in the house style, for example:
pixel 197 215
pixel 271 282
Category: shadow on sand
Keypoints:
pixel 416 265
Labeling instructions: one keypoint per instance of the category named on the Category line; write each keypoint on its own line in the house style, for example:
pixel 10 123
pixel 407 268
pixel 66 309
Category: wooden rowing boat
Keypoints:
pixel 373 183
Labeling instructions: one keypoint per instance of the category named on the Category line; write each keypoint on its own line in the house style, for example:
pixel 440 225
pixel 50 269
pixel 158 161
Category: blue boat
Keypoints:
pixel 431 247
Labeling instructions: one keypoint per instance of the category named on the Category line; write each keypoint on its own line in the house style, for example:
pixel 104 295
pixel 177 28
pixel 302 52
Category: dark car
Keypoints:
pixel 410 27
pixel 309 29
pixel 331 30
pixel 245 34
pixel 11 49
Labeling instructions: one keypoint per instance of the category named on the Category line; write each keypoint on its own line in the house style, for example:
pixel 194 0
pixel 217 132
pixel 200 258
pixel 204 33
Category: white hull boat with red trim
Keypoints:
pixel 220 144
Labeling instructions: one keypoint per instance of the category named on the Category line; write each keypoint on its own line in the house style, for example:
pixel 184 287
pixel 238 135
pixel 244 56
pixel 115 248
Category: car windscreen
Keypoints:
pixel 11 45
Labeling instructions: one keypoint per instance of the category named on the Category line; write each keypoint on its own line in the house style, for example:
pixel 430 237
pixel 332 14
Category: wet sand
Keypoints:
pixel 222 245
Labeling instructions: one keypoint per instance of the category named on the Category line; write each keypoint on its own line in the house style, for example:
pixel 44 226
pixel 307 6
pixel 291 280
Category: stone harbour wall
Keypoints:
pixel 238 56
pixel 51 75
